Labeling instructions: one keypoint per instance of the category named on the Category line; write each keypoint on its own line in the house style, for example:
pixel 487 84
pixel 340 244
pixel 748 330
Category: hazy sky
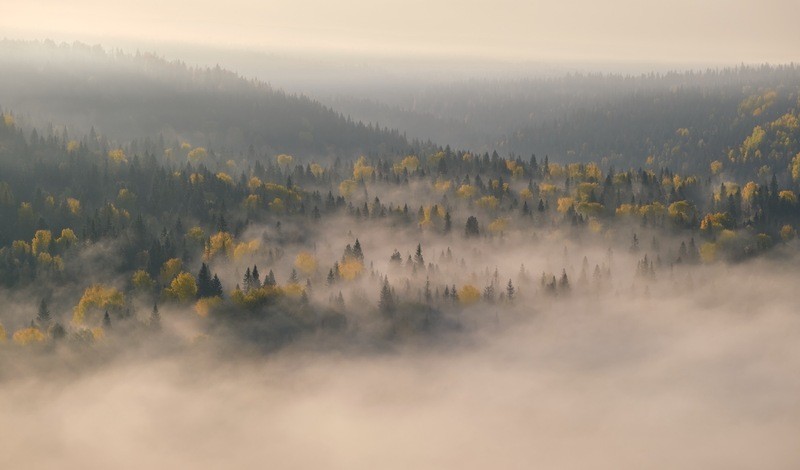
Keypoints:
pixel 672 31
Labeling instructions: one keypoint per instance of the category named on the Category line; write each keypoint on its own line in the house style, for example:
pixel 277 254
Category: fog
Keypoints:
pixel 693 369
pixel 732 31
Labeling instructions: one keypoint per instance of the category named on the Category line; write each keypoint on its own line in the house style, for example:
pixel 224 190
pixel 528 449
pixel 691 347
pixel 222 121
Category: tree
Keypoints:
pixel 448 222
pixel 247 281
pixel 43 316
pixel 216 287
pixel 357 253
pixel 386 302
pixel 563 283
pixel 471 229
pixel 57 332
pixel 155 318
pixel 204 286
pixel 488 293
pixel 182 288
pixel 106 320
pixel 270 280
pixel 510 291
pixel 418 259
pixel 428 293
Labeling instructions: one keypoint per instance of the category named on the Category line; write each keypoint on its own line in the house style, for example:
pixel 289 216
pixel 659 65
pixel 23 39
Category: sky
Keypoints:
pixel 687 31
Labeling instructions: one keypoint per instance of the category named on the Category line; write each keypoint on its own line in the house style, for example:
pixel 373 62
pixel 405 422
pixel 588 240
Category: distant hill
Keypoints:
pixel 682 119
pixel 126 97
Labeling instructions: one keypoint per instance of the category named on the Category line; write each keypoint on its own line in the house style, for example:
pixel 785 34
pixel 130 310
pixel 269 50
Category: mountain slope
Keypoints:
pixel 129 97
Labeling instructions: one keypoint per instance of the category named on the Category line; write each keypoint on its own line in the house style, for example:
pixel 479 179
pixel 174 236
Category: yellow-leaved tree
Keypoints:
pixel 361 169
pixel 197 154
pixel 66 240
pixel 95 298
pixel 220 243
pixel 142 281
pixel 26 336
pixel 350 268
pixel 41 242
pixel 306 263
pixel 170 269
pixel 182 288
pixel 203 307
pixel 284 160
pixel 466 191
pixel 117 156
pixel 469 294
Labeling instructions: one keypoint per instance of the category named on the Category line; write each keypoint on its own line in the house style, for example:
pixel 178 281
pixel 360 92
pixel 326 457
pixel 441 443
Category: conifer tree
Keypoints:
pixel 204 282
pixel 155 318
pixel 43 316
pixel 386 302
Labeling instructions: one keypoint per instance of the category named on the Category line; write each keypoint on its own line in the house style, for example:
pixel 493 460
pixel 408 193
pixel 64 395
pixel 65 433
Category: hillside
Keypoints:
pixel 131 97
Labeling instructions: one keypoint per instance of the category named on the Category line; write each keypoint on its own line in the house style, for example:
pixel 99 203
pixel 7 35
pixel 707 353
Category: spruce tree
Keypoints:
pixel 204 286
pixel 247 282
pixel 471 229
pixel 155 318
pixel 216 287
pixel 43 316
pixel 270 280
pixel 418 259
pixel 357 253
pixel 510 291
pixel 386 303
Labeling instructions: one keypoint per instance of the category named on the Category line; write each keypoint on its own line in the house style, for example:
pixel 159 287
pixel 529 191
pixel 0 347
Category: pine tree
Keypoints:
pixel 106 321
pixel 448 222
pixel 510 291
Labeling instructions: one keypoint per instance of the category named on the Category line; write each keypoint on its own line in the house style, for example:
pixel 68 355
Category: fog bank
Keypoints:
pixel 707 380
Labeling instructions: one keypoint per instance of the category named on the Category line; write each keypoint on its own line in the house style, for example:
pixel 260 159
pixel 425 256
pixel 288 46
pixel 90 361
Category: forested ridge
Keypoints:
pixel 106 239
pixel 683 120
pixel 128 97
